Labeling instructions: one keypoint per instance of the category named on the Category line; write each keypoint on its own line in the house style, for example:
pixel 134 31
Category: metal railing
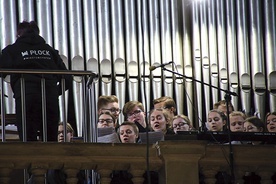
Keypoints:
pixel 86 78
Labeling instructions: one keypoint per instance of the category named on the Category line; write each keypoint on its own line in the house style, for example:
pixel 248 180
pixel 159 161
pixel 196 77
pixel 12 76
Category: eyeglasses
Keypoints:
pixel 180 124
pixel 135 113
pixel 108 121
pixel 114 110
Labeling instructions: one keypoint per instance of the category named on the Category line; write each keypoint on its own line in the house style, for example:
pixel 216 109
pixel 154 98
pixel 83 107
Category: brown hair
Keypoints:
pixel 130 105
pixel 185 118
pixel 104 100
pixel 133 125
pixel 108 113
pixel 268 114
pixel 223 103
pixel 238 113
pixel 221 114
pixel 168 102
pixel 256 122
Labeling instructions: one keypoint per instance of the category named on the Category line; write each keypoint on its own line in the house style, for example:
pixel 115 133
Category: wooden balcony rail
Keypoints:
pixel 176 162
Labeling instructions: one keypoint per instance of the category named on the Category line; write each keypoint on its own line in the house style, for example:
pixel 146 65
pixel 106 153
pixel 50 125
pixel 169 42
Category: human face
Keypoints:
pixel 61 136
pixel 137 115
pixel 249 127
pixel 236 123
pixel 158 121
pixel 271 123
pixel 105 121
pixel 215 122
pixel 161 105
pixel 127 134
pixel 223 109
pixel 113 108
pixel 179 124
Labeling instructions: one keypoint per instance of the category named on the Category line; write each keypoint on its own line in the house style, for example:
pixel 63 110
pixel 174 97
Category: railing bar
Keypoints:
pixel 23 121
pixel 23 109
pixel 43 103
pixel 57 72
pixel 84 125
pixel 3 123
pixel 63 113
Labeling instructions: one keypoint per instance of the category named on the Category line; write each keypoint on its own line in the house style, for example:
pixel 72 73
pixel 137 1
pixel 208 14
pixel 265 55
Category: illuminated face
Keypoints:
pixel 215 122
pixel 113 108
pixel 249 127
pixel 61 135
pixel 161 105
pixel 158 121
pixel 127 134
pixel 137 115
pixel 223 109
pixel 105 121
pixel 236 123
pixel 179 124
pixel 271 123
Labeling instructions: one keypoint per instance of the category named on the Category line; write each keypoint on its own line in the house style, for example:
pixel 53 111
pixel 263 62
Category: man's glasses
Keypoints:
pixel 180 124
pixel 135 113
pixel 114 110
pixel 108 121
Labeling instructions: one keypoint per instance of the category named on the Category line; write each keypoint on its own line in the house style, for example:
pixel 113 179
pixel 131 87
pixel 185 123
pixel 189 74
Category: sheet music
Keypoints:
pixel 105 131
pixel 111 138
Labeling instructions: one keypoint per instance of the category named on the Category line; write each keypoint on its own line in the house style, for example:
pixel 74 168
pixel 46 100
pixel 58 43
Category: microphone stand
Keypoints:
pixel 227 98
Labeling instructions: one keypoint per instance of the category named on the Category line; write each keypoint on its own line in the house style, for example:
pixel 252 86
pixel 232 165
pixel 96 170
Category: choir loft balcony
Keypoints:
pixel 174 161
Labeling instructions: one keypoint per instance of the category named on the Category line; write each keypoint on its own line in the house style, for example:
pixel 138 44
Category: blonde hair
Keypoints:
pixel 69 128
pixel 185 118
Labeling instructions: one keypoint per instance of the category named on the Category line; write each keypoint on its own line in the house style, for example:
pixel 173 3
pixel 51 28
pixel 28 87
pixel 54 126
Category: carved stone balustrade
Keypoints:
pixel 175 161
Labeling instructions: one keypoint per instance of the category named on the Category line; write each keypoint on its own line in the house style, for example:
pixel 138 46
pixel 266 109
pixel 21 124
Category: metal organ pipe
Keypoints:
pixel 45 20
pixel 8 36
pixel 222 52
pixel 26 10
pixel 60 29
pixel 104 46
pixel 61 42
pixel 232 50
pixel 243 57
pixel 197 58
pixel 155 47
pixel 118 51
pixel 213 55
pixel 205 55
pixel 166 46
pixel 77 58
pixel 257 57
pixel 188 62
pixel 131 50
pixel 144 52
pixel 177 56
pixel 270 50
pixel 92 64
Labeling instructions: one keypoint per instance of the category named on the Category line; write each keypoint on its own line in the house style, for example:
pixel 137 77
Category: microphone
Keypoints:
pixel 91 78
pixel 151 68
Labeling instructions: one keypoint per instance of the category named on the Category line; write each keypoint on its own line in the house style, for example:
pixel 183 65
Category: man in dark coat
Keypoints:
pixel 30 51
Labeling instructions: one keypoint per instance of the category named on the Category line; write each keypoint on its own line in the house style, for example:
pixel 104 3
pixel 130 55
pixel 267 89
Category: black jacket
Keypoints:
pixel 30 51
